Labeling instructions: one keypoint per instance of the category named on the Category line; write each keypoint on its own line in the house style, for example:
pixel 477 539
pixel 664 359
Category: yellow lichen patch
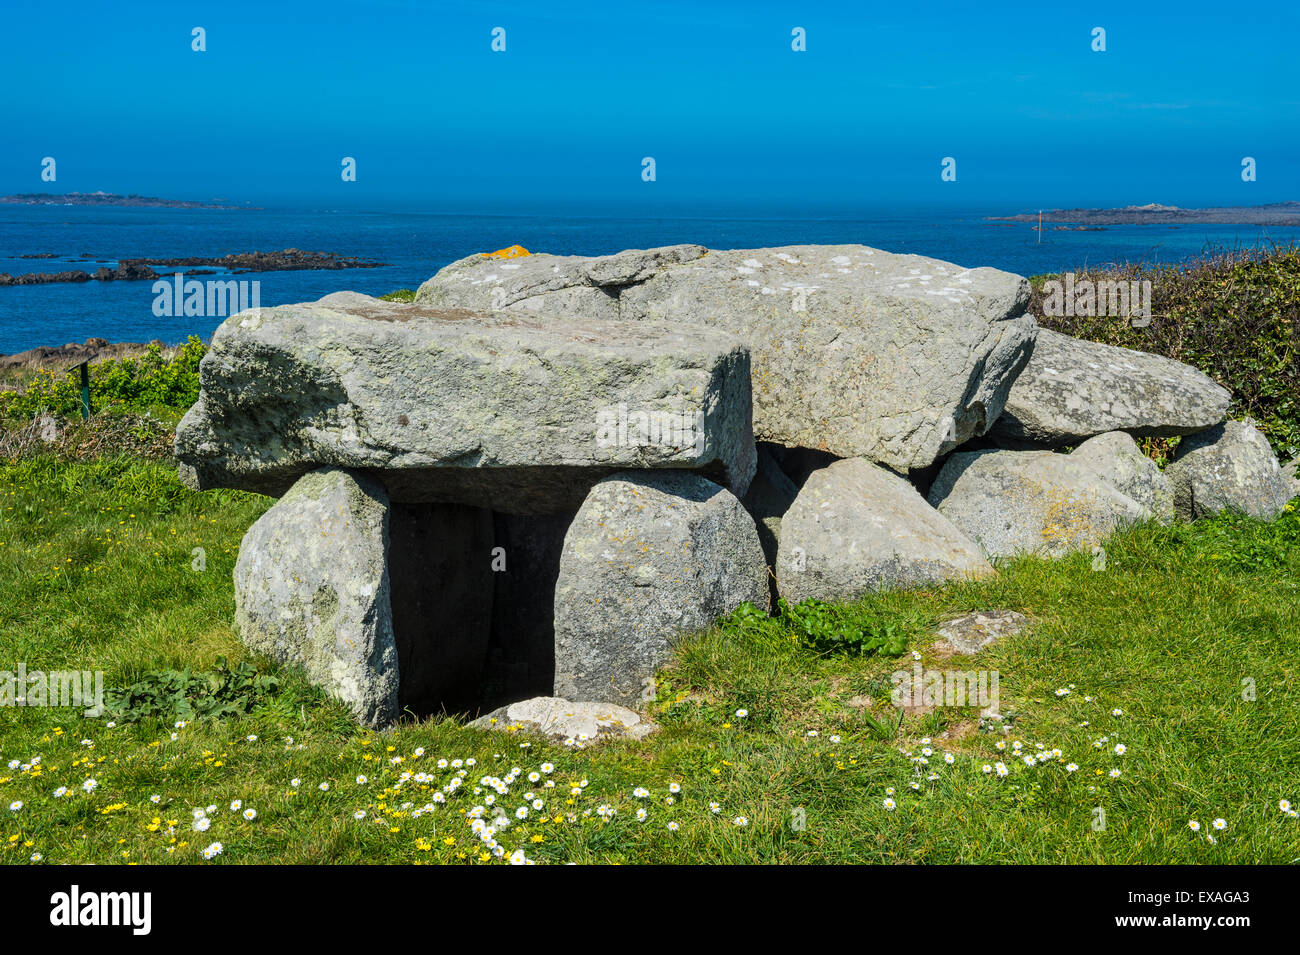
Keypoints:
pixel 513 252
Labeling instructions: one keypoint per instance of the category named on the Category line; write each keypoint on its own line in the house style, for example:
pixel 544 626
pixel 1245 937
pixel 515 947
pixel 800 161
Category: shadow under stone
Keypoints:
pixel 472 596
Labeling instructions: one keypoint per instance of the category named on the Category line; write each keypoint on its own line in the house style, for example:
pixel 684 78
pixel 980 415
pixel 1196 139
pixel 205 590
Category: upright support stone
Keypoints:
pixel 649 556
pixel 312 590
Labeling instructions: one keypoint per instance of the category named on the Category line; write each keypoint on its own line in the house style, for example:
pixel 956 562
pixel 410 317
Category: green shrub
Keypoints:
pixel 1235 315
pixel 142 383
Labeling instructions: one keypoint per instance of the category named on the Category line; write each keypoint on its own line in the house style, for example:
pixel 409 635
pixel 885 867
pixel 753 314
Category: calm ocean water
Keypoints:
pixel 416 245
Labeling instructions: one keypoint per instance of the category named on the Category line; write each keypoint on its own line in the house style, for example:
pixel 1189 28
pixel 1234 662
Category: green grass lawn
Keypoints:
pixel 1183 650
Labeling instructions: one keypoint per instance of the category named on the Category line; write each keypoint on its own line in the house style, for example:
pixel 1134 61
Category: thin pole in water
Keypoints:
pixel 1040 226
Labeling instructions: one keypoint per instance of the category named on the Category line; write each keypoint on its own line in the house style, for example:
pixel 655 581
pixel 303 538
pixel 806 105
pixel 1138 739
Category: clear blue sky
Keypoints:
pixel 713 92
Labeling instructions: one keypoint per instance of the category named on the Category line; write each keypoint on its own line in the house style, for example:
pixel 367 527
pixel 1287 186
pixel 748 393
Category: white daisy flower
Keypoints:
pixel 214 850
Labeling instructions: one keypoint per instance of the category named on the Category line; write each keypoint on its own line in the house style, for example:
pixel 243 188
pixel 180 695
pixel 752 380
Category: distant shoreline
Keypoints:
pixel 1272 214
pixel 108 199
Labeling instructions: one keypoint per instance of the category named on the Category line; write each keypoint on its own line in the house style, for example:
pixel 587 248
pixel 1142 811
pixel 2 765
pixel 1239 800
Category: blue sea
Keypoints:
pixel 416 244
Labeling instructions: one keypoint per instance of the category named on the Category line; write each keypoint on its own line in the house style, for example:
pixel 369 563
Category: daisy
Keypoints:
pixel 986 769
pixel 741 714
pixel 361 780
pixel 673 827
pixel 714 808
pixel 60 792
pixel 1114 774
pixel 1283 805
pixel 949 758
pixel 889 804
pixel 1193 825
pixel 202 824
pixel 1220 824
pixel 213 850
pixel 15 805
pixel 547 768
pixel 1120 749
pixel 1117 712
pixel 235 806
pixel 359 815
pixel 1001 769
pixel 1071 767
pixel 324 787
pixel 677 787
pixel 295 783
pixel 641 814
pixel 640 792
pixel 90 785
pixel 740 821
pixel 155 799
pixel 250 814
pixel 251 738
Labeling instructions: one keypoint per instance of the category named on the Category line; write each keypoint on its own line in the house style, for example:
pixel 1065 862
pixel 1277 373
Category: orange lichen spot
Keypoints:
pixel 513 252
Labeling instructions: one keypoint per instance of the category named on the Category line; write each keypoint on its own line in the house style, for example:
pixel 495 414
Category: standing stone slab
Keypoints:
pixel 856 528
pixel 519 413
pixel 312 590
pixel 1073 389
pixel 896 358
pixel 1231 467
pixel 1116 457
pixel 1030 502
pixel 649 556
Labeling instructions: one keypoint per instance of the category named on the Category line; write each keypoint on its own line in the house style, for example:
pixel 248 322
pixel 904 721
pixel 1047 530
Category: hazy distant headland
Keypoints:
pixel 106 199
pixel 1272 214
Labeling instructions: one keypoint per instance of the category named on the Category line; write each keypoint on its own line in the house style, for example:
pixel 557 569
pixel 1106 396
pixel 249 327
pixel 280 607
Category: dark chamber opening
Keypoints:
pixel 473 606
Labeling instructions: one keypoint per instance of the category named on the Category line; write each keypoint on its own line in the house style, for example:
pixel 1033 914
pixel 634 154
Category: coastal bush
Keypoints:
pixel 1234 314
pixel 143 383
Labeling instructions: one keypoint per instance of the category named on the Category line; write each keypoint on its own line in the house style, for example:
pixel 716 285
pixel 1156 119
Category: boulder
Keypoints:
pixel 576 724
pixel 1292 471
pixel 856 351
pixel 1030 502
pixel 1228 468
pixel 1120 462
pixel 856 527
pixel 519 413
pixel 1072 390
pixel 312 590
pixel 649 556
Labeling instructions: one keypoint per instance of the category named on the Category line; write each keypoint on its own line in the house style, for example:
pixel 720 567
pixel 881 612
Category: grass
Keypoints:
pixel 98 571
